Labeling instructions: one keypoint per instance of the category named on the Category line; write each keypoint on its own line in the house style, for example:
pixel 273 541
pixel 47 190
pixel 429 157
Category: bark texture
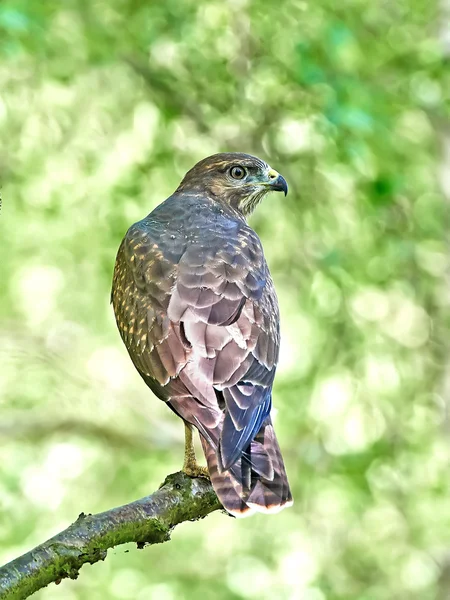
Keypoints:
pixel 149 520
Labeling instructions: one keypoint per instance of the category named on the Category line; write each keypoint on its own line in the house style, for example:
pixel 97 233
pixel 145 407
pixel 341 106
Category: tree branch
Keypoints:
pixel 146 521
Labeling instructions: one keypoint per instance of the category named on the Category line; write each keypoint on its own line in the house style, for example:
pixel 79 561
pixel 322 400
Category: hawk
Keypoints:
pixel 197 310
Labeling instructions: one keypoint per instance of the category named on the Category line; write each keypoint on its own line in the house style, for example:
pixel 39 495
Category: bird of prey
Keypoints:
pixel 197 310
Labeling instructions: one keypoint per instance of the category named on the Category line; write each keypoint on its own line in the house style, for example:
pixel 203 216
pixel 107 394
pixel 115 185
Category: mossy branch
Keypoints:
pixel 146 521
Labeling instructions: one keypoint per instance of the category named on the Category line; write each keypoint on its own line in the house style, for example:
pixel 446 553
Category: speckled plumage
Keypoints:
pixel 196 308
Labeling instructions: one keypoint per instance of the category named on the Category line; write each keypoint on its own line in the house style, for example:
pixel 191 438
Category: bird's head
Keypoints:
pixel 238 179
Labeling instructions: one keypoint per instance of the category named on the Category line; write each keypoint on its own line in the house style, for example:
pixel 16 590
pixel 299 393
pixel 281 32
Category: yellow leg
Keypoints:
pixel 190 466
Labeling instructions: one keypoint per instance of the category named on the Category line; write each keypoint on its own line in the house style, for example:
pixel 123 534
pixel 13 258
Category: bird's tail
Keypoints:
pixel 257 482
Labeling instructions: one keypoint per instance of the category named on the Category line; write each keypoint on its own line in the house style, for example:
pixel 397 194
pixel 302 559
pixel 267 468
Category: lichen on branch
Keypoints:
pixel 149 520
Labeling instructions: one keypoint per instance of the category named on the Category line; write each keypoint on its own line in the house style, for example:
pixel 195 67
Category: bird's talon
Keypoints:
pixel 196 471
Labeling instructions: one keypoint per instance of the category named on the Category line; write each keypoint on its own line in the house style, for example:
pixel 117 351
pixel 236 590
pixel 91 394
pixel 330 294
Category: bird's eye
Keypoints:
pixel 237 172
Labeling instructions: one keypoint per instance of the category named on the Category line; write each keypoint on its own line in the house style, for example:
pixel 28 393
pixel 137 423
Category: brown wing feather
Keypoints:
pixel 141 292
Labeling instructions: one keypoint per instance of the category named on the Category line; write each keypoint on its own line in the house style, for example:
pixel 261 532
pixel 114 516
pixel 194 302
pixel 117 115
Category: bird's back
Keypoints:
pixel 196 308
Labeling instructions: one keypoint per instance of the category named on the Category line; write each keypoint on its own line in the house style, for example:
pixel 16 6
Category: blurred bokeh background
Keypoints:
pixel 103 107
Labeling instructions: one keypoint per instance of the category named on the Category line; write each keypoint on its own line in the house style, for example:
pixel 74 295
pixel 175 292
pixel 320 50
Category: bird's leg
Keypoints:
pixel 190 466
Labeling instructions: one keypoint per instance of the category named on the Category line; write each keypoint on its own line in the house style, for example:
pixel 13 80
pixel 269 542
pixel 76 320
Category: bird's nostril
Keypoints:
pixel 272 174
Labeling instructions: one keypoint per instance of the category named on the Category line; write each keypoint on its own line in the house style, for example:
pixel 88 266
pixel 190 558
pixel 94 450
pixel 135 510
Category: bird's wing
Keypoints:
pixel 204 329
pixel 227 309
pixel 142 284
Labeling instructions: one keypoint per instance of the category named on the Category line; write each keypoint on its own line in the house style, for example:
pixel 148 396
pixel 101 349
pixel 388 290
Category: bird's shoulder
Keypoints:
pixel 194 226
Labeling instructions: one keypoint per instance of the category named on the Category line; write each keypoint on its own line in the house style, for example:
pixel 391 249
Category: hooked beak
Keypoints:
pixel 277 182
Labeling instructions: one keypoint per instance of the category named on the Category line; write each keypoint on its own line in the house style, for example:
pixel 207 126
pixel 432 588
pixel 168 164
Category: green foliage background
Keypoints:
pixel 103 107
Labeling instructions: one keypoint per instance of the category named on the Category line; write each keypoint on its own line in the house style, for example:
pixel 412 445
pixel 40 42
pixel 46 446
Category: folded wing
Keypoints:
pixel 201 325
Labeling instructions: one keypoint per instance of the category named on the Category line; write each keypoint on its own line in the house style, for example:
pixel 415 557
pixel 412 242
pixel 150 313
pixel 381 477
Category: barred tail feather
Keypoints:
pixel 226 485
pixel 270 495
pixel 257 482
